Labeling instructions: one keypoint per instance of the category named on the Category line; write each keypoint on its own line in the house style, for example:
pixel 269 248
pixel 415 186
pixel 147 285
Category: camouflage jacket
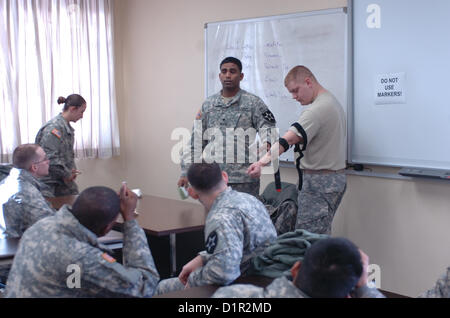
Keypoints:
pixel 57 139
pixel 237 228
pixel 281 287
pixel 242 112
pixel 441 289
pixel 22 203
pixel 53 250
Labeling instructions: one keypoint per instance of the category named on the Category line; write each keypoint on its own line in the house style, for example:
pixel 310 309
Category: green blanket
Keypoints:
pixel 278 258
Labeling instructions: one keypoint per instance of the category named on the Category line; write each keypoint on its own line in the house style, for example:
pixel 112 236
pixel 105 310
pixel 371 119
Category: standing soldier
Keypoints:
pixel 57 138
pixel 321 132
pixel 237 110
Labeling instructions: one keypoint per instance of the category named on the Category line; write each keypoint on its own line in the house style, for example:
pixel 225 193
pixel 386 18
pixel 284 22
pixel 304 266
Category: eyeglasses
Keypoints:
pixel 43 160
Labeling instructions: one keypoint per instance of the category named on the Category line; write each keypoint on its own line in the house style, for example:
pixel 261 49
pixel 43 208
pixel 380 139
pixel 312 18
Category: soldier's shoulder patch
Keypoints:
pixel 267 115
pixel 57 133
pixel 211 242
pixel 199 115
pixel 108 258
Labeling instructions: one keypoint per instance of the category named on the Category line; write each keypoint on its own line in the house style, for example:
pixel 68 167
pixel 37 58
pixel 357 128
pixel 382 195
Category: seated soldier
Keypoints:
pixel 237 228
pixel 331 268
pixel 21 202
pixel 60 256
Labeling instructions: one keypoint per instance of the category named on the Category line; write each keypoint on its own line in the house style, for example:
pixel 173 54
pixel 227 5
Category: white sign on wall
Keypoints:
pixel 390 89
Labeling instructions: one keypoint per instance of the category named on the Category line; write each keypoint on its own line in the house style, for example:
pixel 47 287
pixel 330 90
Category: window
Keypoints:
pixel 52 48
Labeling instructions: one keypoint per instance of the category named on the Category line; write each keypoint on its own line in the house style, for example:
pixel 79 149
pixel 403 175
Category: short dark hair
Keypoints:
pixel 331 268
pixel 24 155
pixel 96 207
pixel 204 176
pixel 233 60
pixel 71 100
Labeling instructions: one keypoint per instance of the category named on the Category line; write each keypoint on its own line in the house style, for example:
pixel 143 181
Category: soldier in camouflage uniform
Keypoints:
pixel 321 131
pixel 312 277
pixel 22 202
pixel 57 138
pixel 236 110
pixel 60 256
pixel 441 289
pixel 237 228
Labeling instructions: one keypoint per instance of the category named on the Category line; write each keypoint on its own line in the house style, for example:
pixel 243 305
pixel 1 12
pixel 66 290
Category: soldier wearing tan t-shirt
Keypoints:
pixel 321 130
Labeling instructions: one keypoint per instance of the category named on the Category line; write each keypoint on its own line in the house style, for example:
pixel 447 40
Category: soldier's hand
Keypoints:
pixel 72 177
pixel 128 203
pixel 183 182
pixel 189 268
pixel 254 170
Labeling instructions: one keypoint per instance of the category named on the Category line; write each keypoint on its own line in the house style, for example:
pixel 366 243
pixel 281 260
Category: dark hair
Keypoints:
pixel 233 60
pixel 330 269
pixel 24 155
pixel 204 176
pixel 71 100
pixel 96 207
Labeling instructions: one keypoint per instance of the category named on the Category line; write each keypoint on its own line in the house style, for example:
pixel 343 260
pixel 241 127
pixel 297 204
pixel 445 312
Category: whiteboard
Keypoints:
pixel 409 40
pixel 269 47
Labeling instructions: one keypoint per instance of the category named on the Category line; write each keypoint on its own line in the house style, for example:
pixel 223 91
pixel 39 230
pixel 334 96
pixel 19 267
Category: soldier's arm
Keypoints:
pixel 239 291
pixel 22 212
pixel 52 147
pixel 188 155
pixel 35 207
pixel 264 121
pixel 224 259
pixel 103 276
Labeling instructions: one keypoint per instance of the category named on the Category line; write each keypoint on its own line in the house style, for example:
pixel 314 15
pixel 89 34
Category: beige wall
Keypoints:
pixel 402 225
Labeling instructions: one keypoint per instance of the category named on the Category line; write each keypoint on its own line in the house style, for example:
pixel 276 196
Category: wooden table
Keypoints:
pixel 162 216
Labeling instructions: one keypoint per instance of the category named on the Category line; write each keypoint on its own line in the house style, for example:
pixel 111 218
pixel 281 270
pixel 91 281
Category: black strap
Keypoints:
pixel 300 152
pixel 283 142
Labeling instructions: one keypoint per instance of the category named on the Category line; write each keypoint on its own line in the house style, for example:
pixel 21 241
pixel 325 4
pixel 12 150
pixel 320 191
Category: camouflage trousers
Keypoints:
pixel 249 187
pixel 169 285
pixel 318 201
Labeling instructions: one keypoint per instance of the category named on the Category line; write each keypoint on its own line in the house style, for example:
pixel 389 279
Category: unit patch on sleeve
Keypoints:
pixel 108 258
pixel 269 116
pixel 57 133
pixel 211 242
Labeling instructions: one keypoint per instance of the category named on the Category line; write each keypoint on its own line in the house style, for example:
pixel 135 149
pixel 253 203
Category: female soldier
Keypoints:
pixel 57 137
